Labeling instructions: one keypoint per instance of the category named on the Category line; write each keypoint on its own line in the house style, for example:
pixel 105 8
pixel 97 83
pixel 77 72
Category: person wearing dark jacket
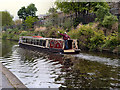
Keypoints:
pixel 65 38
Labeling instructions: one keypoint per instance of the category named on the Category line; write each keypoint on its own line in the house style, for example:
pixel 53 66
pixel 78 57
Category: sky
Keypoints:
pixel 12 6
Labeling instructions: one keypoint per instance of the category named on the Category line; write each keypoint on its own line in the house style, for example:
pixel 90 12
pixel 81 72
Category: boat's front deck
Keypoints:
pixel 71 51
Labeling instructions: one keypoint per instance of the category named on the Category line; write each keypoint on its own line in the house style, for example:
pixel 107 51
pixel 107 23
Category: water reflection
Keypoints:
pixel 7 46
pixel 87 74
pixel 47 70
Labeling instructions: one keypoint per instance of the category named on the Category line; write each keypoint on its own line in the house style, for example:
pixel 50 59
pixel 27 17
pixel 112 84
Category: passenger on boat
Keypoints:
pixel 65 38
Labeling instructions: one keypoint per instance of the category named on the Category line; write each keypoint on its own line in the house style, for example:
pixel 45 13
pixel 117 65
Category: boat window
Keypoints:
pixel 24 40
pixel 40 43
pixel 29 41
pixel 73 44
pixel 37 42
pixel 44 42
pixel 34 42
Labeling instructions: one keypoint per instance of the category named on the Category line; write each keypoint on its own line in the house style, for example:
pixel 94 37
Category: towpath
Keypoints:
pixel 9 81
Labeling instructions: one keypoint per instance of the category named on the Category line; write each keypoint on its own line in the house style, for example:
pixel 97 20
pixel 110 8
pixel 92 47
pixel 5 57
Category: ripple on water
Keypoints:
pixel 107 61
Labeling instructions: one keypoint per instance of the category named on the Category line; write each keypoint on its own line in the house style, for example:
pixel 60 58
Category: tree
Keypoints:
pixel 30 21
pixel 105 17
pixel 22 13
pixel 52 10
pixel 109 21
pixel 53 18
pixel 6 18
pixel 101 13
pixel 29 11
pixel 78 8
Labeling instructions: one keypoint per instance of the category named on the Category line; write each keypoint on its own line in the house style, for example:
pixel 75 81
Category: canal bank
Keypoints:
pixel 9 80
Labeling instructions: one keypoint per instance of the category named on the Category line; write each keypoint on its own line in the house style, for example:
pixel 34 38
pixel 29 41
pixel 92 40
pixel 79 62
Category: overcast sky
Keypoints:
pixel 13 6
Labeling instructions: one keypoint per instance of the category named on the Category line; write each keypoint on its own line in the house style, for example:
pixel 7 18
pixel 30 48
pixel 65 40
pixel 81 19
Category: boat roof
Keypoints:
pixel 31 37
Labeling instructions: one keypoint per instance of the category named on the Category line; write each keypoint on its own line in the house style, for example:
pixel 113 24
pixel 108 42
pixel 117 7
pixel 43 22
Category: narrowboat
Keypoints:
pixel 51 44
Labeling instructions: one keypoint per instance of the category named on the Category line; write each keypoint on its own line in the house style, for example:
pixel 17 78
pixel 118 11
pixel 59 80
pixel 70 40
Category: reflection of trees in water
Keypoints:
pixel 76 72
pixel 7 46
pixel 61 59
pixel 88 74
pixel 30 56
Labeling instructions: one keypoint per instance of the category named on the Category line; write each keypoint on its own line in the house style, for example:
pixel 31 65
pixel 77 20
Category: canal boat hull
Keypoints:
pixel 53 50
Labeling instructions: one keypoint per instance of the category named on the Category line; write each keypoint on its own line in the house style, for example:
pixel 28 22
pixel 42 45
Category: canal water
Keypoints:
pixel 52 70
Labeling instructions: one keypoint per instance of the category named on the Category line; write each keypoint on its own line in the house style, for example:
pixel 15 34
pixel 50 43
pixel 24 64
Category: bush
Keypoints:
pixel 10 36
pixel 67 24
pixel 97 40
pixel 109 21
pixel 29 22
pixel 101 13
pixel 15 37
pixel 9 30
pixel 4 35
pixel 83 33
pixel 23 33
pixel 119 28
pixel 112 41
pixel 53 32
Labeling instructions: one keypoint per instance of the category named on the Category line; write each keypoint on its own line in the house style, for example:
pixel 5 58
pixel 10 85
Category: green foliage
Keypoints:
pixel 52 10
pixel 4 35
pixel 29 11
pixel 101 13
pixel 67 24
pixel 83 33
pixel 119 28
pixel 93 39
pixel 6 18
pixel 97 40
pixel 104 17
pixel 12 30
pixel 112 41
pixel 9 30
pixel 22 13
pixel 23 33
pixel 30 21
pixel 48 23
pixel 68 6
pixel 109 21
pixel 10 36
pixel 53 32
pixel 53 18
pixel 78 8
pixel 85 30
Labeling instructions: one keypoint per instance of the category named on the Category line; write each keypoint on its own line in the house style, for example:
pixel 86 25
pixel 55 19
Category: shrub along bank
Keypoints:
pixel 89 37
pixel 92 38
